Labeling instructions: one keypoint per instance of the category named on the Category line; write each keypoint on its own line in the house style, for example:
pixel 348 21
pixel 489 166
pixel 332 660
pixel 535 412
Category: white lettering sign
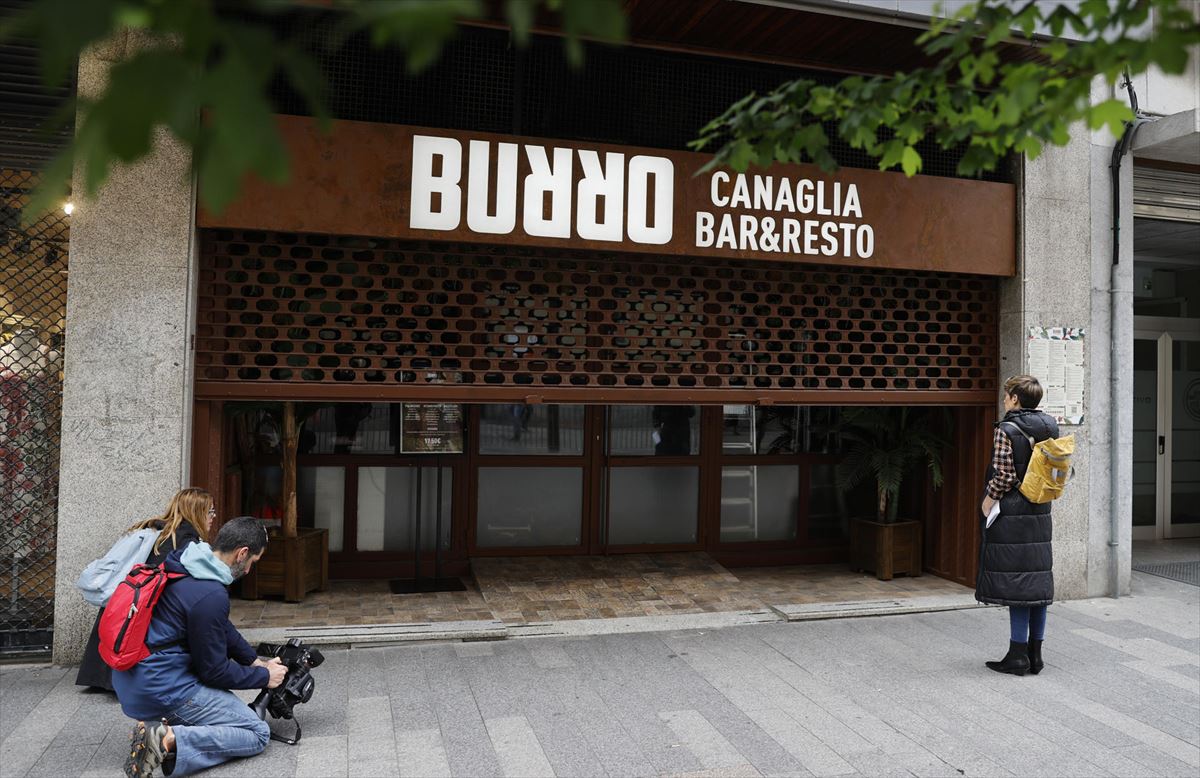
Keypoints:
pixel 610 202
pixel 608 197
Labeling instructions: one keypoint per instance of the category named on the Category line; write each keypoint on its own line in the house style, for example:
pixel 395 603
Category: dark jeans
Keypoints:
pixel 1027 623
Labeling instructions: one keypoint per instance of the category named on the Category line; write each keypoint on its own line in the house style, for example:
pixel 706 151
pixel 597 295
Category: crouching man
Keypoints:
pixel 187 717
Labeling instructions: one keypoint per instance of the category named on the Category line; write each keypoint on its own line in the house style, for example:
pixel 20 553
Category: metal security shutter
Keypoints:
pixel 330 317
pixel 33 300
pixel 1166 194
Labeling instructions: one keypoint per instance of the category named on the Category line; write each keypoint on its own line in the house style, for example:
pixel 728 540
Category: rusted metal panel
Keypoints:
pixel 337 318
pixel 359 180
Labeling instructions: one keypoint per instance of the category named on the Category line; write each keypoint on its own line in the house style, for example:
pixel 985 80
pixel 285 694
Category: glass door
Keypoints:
pixel 1166 434
pixel 652 474
pixel 1146 423
pixel 1181 458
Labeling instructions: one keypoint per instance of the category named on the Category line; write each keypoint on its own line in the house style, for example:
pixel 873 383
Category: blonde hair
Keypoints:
pixel 1026 389
pixel 189 505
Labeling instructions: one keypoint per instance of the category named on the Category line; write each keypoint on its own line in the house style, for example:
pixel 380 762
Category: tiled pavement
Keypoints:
pixel 538 589
pixel 885 696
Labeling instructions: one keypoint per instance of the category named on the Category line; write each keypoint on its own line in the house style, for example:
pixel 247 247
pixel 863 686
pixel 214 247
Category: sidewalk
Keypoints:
pixel 882 696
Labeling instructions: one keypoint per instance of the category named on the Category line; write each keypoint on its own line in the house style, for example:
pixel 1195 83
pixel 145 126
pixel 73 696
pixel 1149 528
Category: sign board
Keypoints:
pixel 384 180
pixel 431 428
pixel 1056 360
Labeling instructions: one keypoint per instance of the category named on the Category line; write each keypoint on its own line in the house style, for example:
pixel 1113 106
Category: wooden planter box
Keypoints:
pixel 885 549
pixel 292 567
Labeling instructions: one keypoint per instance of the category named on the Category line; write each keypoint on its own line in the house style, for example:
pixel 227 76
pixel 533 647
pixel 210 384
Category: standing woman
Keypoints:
pixel 1015 558
pixel 187 520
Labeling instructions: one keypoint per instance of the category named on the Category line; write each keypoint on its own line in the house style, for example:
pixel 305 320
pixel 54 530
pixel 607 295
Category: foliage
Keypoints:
pixel 970 95
pixel 884 443
pixel 183 59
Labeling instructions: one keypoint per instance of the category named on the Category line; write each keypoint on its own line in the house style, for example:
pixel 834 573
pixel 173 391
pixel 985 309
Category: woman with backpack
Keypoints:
pixel 1015 558
pixel 187 520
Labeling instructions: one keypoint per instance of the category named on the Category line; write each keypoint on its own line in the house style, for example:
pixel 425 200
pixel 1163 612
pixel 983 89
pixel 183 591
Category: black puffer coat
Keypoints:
pixel 1015 557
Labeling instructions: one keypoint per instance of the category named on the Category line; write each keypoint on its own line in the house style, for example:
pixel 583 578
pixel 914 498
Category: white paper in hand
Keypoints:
pixel 992 514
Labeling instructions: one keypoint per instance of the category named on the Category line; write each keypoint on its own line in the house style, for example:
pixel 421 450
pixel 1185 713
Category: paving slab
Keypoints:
pixel 889 695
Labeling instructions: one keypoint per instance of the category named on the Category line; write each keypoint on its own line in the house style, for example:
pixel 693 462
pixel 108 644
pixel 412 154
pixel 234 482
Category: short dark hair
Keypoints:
pixel 242 532
pixel 1026 389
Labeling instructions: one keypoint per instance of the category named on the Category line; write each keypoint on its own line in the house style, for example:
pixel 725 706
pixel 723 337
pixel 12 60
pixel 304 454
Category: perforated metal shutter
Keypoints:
pixel 1166 194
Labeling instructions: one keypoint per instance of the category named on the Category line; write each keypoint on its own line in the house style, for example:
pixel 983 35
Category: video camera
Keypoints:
pixel 297 685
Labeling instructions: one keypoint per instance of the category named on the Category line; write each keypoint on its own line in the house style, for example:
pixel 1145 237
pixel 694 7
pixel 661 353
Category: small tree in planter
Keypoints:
pixel 297 560
pixel 884 445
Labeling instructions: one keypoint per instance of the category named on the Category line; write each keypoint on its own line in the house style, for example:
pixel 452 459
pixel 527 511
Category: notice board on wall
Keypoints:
pixel 1056 357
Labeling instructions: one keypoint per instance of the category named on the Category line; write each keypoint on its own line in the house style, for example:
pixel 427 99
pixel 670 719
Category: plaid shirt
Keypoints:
pixel 1004 472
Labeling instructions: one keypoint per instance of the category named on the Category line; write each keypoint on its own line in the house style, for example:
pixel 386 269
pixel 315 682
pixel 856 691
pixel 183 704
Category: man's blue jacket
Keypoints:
pixel 193 615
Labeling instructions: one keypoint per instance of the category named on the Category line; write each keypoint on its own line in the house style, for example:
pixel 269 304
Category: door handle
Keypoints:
pixel 1162 444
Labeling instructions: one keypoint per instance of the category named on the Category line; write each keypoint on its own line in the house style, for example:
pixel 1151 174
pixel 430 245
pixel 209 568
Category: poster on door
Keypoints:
pixel 432 428
pixel 1056 359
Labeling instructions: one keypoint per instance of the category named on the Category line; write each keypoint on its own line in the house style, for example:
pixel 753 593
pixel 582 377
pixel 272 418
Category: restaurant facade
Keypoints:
pixel 515 315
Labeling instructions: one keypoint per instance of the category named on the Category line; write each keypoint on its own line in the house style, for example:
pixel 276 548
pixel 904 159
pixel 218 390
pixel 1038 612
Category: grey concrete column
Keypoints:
pixel 125 424
pixel 1064 280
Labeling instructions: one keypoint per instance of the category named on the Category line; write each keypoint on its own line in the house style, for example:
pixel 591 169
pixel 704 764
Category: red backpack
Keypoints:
pixel 127 615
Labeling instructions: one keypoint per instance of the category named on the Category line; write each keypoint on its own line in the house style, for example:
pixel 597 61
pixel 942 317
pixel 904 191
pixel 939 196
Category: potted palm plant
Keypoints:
pixel 883 444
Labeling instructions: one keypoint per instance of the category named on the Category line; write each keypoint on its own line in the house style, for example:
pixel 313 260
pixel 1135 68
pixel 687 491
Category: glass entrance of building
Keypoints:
pixel 633 478
pixel 547 479
pixel 1166 432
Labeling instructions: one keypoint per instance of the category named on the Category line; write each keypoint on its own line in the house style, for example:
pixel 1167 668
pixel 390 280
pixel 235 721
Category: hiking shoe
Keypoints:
pixel 145 749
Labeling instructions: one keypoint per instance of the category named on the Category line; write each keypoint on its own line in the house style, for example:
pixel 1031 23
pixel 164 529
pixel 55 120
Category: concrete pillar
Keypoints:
pixel 1064 280
pixel 127 378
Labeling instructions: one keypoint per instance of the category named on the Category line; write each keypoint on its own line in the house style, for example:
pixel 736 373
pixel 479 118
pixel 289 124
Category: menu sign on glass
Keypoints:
pixel 431 428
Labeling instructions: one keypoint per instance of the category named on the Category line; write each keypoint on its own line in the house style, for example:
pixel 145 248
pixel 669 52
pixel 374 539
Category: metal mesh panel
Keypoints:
pixel 33 296
pixel 627 95
pixel 286 308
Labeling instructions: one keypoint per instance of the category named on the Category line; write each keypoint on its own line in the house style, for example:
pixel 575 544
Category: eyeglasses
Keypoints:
pixel 212 513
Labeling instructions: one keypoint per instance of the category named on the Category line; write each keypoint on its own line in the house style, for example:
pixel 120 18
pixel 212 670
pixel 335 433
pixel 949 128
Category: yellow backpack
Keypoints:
pixel 1049 467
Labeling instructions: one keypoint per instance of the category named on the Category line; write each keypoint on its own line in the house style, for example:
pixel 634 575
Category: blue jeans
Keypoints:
pixel 1027 624
pixel 212 727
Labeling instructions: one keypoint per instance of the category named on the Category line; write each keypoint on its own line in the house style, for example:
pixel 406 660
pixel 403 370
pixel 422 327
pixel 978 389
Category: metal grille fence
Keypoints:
pixel 319 311
pixel 623 95
pixel 33 297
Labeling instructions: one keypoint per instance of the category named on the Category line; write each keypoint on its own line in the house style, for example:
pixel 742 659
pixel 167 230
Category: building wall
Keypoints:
pixel 127 375
pixel 1063 281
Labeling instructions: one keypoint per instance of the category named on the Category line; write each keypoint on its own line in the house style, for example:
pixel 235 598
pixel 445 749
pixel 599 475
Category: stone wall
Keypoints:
pixel 126 392
pixel 1064 280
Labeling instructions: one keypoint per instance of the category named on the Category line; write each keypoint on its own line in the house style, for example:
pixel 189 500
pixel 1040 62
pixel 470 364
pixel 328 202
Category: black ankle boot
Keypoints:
pixel 1035 657
pixel 1015 662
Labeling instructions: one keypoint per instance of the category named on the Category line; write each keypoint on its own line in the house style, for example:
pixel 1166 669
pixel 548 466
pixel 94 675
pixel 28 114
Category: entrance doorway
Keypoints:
pixel 1166 429
pixel 1166 376
pixel 750 485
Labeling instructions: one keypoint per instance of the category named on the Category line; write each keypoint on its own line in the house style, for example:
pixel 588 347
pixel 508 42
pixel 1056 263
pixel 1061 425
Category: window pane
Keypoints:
pixel 1145 433
pixel 531 429
pixel 759 502
pixel 654 430
pixel 387 507
pixel 770 429
pixel 320 500
pixel 529 506
pixel 1185 432
pixel 653 505
pixel 351 428
pixel 830 508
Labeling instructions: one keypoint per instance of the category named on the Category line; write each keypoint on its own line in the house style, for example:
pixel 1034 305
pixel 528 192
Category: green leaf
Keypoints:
pixel 910 160
pixel 520 15
pixel 1112 112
